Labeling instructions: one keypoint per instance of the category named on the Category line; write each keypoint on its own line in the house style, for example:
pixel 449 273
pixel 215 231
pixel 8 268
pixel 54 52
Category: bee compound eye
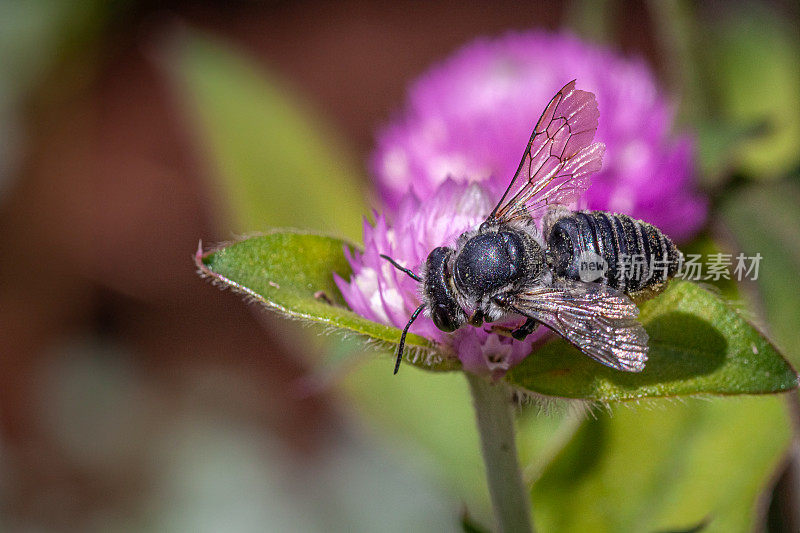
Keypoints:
pixel 444 317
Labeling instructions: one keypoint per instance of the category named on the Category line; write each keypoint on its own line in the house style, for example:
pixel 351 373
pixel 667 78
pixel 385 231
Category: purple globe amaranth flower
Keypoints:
pixel 470 119
pixel 379 292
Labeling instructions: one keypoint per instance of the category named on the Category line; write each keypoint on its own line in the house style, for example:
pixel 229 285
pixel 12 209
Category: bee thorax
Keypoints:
pixel 494 260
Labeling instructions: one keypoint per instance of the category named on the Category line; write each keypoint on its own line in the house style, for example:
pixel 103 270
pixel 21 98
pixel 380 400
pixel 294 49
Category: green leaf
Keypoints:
pixel 36 36
pixel 540 436
pixel 428 415
pixel 292 273
pixel 751 55
pixel 720 145
pixel 765 219
pixel 704 246
pixel 668 468
pixel 276 162
pixel 698 345
pixel 470 525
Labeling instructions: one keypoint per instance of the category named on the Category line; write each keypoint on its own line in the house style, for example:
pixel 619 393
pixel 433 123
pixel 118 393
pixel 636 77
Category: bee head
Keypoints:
pixel 447 315
pixel 437 295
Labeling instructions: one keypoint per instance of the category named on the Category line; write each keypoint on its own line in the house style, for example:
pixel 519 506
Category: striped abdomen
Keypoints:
pixel 637 255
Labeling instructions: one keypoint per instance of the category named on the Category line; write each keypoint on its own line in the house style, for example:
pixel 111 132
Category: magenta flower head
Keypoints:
pixel 380 292
pixel 467 118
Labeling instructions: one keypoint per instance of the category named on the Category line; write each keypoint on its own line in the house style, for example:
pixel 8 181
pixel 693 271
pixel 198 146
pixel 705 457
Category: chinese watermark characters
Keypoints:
pixel 716 267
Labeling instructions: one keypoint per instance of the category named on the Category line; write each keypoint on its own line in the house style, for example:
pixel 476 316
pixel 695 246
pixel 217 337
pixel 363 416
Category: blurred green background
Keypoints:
pixel 135 396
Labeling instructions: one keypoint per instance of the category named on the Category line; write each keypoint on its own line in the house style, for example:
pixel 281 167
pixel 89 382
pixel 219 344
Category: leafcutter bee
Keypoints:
pixel 578 275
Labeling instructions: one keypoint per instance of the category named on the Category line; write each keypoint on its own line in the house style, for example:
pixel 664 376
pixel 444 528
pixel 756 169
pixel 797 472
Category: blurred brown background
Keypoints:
pixel 114 352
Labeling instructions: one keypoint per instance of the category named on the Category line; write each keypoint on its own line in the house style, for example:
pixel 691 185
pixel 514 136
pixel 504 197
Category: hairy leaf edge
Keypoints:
pixel 420 351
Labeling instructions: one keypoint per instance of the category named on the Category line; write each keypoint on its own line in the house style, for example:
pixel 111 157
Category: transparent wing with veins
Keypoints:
pixel 559 158
pixel 597 319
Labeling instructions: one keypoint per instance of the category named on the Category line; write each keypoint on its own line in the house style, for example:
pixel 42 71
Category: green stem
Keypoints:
pixel 496 426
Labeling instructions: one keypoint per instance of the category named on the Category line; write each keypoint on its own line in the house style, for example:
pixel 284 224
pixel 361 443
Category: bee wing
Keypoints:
pixel 558 160
pixel 599 320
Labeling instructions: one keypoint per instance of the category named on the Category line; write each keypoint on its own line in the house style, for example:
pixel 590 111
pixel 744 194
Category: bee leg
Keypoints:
pixel 476 319
pixel 525 329
pixel 500 330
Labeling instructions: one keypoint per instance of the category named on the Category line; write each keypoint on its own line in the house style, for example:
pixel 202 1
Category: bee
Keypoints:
pixel 508 267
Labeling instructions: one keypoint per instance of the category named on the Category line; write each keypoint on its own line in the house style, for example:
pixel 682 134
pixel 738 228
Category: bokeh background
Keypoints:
pixel 134 396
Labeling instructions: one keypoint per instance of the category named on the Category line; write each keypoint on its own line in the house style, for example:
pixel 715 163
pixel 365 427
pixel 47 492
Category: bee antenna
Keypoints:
pixel 402 268
pixel 414 316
